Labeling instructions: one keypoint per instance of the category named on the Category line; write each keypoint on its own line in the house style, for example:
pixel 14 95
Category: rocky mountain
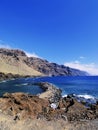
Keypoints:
pixel 12 61
pixel 52 69
pixel 17 62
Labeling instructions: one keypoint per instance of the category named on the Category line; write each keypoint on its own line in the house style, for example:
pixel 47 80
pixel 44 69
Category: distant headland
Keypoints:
pixel 18 63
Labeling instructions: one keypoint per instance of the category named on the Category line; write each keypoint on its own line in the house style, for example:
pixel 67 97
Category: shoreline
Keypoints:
pixel 53 108
pixel 67 108
pixel 10 76
pixel 48 118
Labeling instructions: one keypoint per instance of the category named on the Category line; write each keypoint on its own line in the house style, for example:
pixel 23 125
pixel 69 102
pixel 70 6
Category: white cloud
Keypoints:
pixel 3 45
pixel 82 57
pixel 91 68
pixel 31 54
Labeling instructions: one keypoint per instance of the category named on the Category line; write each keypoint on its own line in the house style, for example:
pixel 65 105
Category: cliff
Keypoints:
pixel 12 61
pixel 17 62
pixel 52 69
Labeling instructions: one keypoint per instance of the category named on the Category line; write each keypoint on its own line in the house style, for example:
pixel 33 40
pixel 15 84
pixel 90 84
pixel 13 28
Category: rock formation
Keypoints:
pixel 23 106
pixel 12 61
pixel 52 93
pixel 38 111
pixel 17 62
pixel 52 69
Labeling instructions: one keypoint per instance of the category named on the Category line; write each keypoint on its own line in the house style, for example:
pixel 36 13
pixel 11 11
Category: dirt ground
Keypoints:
pixel 8 123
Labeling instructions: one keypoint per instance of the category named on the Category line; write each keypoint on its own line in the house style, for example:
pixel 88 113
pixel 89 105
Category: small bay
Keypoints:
pixel 81 86
pixel 19 85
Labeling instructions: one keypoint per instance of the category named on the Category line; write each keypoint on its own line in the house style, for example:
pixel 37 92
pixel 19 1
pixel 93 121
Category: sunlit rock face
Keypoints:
pixel 17 62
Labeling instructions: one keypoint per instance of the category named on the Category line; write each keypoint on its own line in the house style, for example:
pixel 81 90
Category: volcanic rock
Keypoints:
pixel 52 69
pixel 22 106
pixel 75 110
pixel 52 93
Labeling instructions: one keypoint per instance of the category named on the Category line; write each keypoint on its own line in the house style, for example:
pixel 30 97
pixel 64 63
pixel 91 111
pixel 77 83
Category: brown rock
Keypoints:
pixel 21 105
pixel 75 110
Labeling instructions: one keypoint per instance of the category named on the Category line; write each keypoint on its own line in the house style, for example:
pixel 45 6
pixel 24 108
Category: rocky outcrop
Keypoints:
pixel 12 52
pixel 52 93
pixel 68 107
pixel 22 106
pixel 75 111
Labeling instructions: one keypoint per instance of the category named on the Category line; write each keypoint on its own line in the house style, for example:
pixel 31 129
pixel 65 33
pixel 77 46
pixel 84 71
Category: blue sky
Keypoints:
pixel 61 31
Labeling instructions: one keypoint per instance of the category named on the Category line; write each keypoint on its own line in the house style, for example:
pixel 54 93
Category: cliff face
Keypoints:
pixel 12 61
pixel 52 69
pixel 16 62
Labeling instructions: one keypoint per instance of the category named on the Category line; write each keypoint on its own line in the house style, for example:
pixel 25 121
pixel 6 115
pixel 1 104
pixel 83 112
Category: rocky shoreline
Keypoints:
pixel 47 107
pixel 51 92
pixel 68 107
pixel 10 76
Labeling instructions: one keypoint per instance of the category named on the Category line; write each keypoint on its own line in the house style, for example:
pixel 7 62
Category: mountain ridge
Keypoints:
pixel 16 61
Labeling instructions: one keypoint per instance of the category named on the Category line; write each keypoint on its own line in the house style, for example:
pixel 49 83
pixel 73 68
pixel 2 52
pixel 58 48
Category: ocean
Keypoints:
pixel 85 87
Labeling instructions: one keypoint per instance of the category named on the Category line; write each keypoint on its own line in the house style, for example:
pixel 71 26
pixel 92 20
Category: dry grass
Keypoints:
pixel 11 65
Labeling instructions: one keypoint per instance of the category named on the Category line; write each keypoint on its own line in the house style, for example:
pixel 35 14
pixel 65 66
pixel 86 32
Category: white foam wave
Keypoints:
pixel 24 84
pixel 86 96
pixel 4 81
pixel 64 95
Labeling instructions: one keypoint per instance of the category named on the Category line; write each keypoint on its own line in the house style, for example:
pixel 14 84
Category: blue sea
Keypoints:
pixel 80 86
